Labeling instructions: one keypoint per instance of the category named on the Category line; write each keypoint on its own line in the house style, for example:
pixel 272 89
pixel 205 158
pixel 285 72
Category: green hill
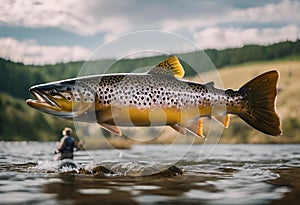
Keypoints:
pixel 19 122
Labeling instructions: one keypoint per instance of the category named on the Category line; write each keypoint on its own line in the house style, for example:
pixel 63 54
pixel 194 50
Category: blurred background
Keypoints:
pixel 43 41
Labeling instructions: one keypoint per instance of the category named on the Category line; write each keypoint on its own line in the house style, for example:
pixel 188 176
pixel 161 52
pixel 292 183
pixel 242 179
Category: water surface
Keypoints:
pixel 232 174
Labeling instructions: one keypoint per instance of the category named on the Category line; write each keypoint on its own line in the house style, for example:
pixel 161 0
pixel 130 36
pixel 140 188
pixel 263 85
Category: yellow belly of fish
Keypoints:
pixel 132 116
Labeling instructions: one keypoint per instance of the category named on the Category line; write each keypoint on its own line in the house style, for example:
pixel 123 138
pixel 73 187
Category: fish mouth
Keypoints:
pixel 42 102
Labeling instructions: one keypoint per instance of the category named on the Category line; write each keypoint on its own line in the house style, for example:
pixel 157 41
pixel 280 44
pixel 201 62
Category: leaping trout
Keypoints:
pixel 159 97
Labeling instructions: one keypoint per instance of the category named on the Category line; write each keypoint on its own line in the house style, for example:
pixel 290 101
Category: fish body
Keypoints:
pixel 159 98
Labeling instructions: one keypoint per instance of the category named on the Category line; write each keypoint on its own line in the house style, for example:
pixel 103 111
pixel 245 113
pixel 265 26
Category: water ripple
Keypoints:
pixel 233 174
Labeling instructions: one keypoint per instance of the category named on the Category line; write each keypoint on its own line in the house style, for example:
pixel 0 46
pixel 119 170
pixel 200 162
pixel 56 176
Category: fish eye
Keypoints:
pixel 53 92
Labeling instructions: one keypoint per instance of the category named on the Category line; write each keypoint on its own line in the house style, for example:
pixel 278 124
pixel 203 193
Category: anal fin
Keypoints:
pixel 227 121
pixel 223 119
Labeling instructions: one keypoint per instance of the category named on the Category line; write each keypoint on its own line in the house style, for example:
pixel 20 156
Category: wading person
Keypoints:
pixel 66 145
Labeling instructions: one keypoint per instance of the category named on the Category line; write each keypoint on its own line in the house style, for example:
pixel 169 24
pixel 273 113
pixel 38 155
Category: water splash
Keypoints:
pixel 56 166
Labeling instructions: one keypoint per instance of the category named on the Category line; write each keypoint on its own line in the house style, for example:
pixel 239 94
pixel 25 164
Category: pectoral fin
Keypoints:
pixel 105 119
pixel 108 115
pixel 111 128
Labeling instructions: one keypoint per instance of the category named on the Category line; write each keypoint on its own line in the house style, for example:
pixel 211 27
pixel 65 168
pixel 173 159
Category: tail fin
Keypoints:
pixel 260 94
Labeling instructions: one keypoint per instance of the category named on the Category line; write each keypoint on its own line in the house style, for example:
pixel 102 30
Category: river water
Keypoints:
pixel 229 174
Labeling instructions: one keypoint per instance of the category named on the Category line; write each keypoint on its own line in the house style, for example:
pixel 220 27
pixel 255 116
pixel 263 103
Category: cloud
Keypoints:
pixel 29 52
pixel 76 16
pixel 286 11
pixel 264 24
pixel 221 38
pixel 92 17
pixel 209 23
pixel 282 13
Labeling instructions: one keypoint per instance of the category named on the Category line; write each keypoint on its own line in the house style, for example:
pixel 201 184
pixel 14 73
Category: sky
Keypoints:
pixel 52 31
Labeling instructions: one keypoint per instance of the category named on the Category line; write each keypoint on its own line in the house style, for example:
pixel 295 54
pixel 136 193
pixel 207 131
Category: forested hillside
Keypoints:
pixel 19 122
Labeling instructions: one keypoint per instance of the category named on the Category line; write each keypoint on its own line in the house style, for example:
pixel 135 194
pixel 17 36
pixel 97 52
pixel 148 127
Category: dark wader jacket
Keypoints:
pixel 67 145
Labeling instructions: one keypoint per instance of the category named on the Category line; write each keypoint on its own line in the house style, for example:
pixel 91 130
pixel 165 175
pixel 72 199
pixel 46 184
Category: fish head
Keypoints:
pixel 63 99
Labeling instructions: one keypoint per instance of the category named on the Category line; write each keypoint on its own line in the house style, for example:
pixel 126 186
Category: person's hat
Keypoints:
pixel 67 130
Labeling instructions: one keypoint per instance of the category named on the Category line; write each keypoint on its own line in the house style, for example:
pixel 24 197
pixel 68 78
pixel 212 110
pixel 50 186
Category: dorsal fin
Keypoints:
pixel 210 84
pixel 170 66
